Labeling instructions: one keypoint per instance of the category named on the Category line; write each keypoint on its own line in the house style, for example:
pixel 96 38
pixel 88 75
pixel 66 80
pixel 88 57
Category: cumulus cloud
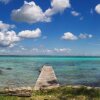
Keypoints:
pixel 57 51
pixel 32 13
pixel 5 1
pixel 51 51
pixel 62 50
pixel 35 49
pixel 84 36
pixel 5 27
pixel 69 36
pixel 12 45
pixel 21 50
pixel 97 8
pixel 57 6
pixel 8 38
pixel 75 13
pixel 30 34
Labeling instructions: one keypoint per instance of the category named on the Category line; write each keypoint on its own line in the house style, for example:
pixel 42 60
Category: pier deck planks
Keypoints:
pixel 47 79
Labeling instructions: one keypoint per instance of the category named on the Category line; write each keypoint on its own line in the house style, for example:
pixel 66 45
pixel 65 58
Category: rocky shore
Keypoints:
pixel 27 91
pixel 19 91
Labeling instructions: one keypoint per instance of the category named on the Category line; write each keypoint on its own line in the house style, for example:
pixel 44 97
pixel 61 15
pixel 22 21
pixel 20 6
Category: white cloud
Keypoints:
pixel 97 8
pixel 20 50
pixel 5 1
pixel 12 45
pixel 5 27
pixel 8 38
pixel 75 13
pixel 62 50
pixel 69 36
pixel 57 6
pixel 84 36
pixel 35 50
pixel 30 34
pixel 46 51
pixel 32 13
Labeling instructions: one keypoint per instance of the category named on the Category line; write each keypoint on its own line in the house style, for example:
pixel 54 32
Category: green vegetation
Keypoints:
pixel 61 93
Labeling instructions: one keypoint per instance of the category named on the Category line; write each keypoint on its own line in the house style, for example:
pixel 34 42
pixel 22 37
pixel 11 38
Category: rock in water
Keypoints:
pixel 1 72
pixel 8 68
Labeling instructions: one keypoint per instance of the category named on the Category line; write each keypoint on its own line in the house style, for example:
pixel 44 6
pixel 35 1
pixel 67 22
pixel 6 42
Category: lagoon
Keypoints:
pixel 19 71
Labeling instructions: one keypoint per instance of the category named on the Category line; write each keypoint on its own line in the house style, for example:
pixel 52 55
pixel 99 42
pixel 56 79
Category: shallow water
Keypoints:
pixel 24 71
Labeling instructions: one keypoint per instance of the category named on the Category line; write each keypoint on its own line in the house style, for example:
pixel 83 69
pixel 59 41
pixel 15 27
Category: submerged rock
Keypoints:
pixel 8 68
pixel 1 72
pixel 93 68
pixel 4 68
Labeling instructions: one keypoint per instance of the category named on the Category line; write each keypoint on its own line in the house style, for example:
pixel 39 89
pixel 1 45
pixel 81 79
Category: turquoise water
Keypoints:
pixel 24 71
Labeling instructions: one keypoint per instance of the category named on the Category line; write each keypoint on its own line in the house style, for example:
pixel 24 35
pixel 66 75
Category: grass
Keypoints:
pixel 61 93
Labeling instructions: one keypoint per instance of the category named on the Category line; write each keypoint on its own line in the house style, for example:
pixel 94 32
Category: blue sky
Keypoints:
pixel 50 27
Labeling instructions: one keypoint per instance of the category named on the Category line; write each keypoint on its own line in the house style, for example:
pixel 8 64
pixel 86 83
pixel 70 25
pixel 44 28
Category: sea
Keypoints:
pixel 18 71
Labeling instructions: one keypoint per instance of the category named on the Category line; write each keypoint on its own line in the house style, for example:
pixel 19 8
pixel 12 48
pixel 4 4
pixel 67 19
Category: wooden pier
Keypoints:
pixel 47 79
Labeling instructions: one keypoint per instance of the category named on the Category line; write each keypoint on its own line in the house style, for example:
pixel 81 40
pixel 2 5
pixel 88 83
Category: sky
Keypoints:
pixel 50 27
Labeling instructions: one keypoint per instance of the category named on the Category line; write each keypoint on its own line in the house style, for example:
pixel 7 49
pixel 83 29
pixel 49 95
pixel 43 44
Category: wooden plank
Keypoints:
pixel 47 79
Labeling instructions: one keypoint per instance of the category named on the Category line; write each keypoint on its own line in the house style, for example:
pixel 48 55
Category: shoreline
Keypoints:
pixel 72 92
pixel 30 88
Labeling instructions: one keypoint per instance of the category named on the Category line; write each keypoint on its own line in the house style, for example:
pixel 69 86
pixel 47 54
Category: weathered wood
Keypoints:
pixel 47 79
